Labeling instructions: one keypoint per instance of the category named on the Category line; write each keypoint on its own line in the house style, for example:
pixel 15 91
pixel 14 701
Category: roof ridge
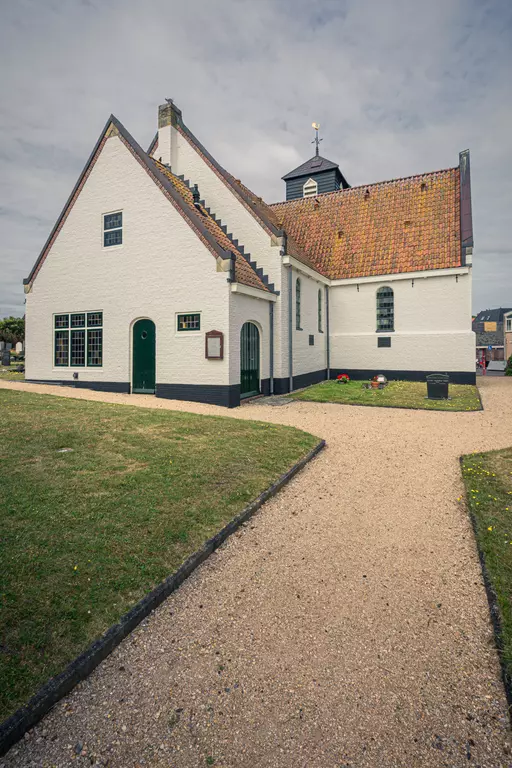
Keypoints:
pixel 365 186
pixel 159 178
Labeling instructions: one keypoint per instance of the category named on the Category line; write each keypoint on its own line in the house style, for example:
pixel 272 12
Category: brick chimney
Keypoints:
pixel 169 115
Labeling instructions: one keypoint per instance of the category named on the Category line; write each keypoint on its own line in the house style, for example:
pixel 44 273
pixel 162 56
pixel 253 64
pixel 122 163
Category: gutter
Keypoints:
pixel 290 328
pixel 327 329
pixel 271 352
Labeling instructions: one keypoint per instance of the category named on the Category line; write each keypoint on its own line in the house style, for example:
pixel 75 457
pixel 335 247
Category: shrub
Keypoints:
pixel 508 369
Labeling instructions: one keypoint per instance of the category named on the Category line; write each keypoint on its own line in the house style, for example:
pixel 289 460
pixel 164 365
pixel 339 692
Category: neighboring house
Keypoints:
pixel 488 326
pixel 166 274
pixel 507 320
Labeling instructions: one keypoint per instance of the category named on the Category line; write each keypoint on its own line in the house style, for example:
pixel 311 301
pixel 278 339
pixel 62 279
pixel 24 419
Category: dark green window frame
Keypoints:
pixel 190 321
pixel 112 229
pixel 78 340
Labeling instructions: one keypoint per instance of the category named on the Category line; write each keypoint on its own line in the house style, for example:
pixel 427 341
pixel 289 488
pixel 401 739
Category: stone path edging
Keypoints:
pixel 14 728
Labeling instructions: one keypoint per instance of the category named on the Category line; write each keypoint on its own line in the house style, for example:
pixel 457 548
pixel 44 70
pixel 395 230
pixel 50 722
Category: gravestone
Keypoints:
pixel 6 357
pixel 437 386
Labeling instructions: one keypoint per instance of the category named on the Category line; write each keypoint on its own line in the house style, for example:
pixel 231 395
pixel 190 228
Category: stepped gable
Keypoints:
pixel 244 273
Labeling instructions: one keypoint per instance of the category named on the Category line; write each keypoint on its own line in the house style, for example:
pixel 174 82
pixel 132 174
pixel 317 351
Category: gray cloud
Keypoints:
pixel 399 88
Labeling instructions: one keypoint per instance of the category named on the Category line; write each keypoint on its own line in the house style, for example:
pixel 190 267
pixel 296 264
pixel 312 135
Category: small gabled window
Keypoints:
pixel 310 188
pixel 297 305
pixel 112 229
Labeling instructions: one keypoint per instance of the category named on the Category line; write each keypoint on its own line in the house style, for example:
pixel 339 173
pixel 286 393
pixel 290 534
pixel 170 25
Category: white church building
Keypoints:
pixel 164 274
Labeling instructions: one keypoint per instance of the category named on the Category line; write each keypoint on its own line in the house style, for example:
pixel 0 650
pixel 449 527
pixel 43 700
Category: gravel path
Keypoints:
pixel 345 625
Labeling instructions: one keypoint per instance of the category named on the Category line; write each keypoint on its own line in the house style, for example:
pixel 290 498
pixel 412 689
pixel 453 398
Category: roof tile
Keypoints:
pixel 404 225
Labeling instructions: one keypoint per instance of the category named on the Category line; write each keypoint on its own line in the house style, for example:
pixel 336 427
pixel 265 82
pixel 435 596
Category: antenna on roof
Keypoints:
pixel 316 140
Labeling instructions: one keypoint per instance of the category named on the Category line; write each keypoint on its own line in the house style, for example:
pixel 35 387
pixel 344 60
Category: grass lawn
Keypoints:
pixel 398 394
pixel 9 374
pixel 86 533
pixel 488 480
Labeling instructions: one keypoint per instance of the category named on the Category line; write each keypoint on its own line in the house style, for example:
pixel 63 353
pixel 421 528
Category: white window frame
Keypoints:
pixel 115 229
pixel 86 328
pixel 509 324
pixel 310 188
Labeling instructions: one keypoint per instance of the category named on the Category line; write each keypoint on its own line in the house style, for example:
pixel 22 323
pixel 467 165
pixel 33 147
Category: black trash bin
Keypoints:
pixel 437 386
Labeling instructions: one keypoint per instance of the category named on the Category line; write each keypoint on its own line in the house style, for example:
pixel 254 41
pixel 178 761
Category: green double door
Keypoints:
pixel 144 357
pixel 249 360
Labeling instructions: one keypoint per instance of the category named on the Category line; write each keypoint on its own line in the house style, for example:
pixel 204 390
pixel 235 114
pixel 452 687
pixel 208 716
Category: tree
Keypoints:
pixel 12 329
pixel 508 369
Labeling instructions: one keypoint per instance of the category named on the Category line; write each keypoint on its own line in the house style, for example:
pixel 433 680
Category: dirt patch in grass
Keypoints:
pixel 397 394
pixel 88 531
pixel 488 481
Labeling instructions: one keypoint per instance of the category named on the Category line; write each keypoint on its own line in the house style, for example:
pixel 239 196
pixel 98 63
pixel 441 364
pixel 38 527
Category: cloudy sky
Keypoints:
pixel 399 87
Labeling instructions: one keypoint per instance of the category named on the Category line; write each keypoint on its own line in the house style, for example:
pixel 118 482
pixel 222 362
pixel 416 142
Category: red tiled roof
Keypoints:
pixel 244 273
pixel 404 225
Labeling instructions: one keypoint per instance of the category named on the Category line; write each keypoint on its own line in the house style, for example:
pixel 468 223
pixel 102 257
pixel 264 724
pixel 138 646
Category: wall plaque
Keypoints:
pixel 214 345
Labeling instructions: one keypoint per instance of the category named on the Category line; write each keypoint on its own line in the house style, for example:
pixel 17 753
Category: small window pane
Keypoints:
pixel 61 347
pixel 78 321
pixel 115 237
pixel 189 322
pixel 77 348
pixel 61 321
pixel 112 221
pixel 95 347
pixel 94 319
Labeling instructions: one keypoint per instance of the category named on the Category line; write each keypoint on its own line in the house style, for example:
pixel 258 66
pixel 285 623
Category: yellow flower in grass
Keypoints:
pixel 490 528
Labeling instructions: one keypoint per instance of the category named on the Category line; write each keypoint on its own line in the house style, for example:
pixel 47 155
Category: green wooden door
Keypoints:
pixel 144 357
pixel 249 360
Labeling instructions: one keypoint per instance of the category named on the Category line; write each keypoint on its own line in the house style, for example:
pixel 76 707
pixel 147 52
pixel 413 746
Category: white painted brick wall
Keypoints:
pixel 244 309
pixel 223 203
pixel 162 268
pixel 305 358
pixel 432 326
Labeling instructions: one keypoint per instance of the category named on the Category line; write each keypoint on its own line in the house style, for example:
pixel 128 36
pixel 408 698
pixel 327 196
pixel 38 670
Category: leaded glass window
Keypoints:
pixel 78 348
pixel 112 229
pixel 189 322
pixel 61 321
pixel 78 320
pixel 78 339
pixel 61 348
pixel 297 305
pixel 385 309
pixel 95 347
pixel 94 319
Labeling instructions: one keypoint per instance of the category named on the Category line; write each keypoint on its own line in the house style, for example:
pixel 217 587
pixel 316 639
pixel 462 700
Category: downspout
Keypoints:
pixel 290 330
pixel 328 339
pixel 271 361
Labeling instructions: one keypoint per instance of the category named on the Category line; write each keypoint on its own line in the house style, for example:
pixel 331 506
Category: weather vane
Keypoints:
pixel 316 140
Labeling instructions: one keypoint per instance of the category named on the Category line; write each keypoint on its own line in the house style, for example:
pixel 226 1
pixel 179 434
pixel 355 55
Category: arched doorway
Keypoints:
pixel 249 360
pixel 144 357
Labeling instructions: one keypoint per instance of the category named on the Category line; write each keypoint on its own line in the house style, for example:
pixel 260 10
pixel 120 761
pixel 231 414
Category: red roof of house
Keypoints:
pixel 403 225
